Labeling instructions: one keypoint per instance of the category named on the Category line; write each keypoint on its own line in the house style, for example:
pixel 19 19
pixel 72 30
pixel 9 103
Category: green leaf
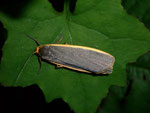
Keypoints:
pixel 135 96
pixel 99 24
pixel 139 8
pixel 140 91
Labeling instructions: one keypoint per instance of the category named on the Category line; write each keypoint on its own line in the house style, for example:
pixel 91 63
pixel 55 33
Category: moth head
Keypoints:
pixel 43 51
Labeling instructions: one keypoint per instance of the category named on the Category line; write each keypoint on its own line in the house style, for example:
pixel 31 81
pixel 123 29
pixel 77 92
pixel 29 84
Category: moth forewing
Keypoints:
pixel 78 58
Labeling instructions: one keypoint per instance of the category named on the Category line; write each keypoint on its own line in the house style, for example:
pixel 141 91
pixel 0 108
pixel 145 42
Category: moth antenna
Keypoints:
pixel 24 66
pixel 33 39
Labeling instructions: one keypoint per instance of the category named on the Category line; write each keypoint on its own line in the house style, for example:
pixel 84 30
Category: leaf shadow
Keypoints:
pixel 3 37
pixel 31 98
pixel 13 8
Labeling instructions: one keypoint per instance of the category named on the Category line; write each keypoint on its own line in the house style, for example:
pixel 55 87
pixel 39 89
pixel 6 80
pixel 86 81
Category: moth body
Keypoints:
pixel 79 58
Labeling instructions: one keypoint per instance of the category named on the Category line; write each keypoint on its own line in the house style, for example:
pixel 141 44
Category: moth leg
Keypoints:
pixel 59 66
pixel 40 62
pixel 60 39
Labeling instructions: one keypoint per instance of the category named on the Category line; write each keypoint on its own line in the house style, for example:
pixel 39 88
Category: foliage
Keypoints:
pixel 99 24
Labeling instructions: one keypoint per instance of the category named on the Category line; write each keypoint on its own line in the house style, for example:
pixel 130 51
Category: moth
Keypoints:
pixel 79 58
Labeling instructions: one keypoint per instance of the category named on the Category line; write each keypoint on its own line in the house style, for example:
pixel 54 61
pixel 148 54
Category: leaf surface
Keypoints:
pixel 139 8
pixel 128 99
